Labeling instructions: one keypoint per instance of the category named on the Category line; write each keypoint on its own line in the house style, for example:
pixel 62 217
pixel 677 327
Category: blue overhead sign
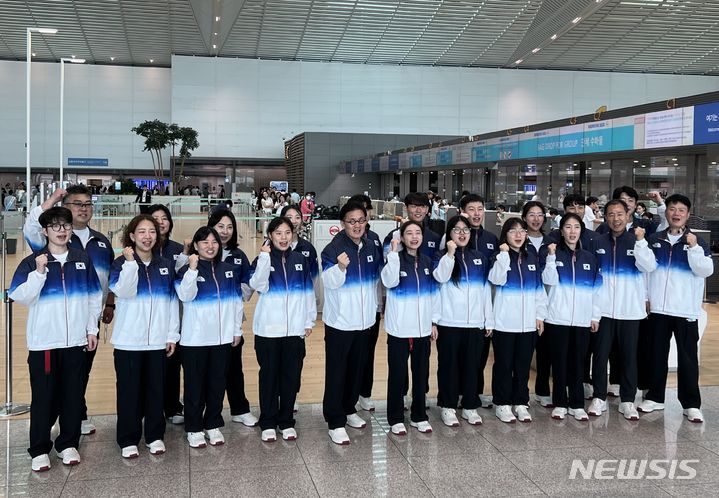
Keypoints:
pixel 87 161
pixel 706 123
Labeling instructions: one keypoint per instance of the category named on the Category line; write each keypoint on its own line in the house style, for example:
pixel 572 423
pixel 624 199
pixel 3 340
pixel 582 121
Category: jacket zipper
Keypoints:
pixel 419 313
pixel 666 281
pixel 574 285
pixel 614 275
pixel 149 288
pixel 466 277
pixel 64 295
pixel 521 288
pixel 219 304
pixel 287 294
pixel 359 266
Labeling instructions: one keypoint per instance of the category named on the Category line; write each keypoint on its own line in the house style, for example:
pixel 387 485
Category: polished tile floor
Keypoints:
pixel 492 459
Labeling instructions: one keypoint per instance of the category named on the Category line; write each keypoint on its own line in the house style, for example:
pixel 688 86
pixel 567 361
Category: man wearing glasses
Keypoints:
pixel 78 200
pixel 351 264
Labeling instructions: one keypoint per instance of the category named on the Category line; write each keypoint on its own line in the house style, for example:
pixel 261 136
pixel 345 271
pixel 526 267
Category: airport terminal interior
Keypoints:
pixel 201 102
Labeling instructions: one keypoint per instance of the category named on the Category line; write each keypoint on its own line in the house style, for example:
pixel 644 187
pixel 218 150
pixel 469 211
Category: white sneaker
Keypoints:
pixel 588 390
pixel 41 463
pixel 176 419
pixel 215 436
pixel 522 412
pixel 545 401
pixel 269 435
pixel 339 436
pixel 579 414
pixel 289 434
pixel 157 447
pixel 130 452
pixel 69 456
pixel 355 421
pixel 596 407
pixel 87 428
pixel 694 415
pixel 644 394
pixel 196 439
pixel 648 406
pixel 449 417
pixel 629 411
pixel 472 417
pixel 504 413
pixel 613 390
pixel 366 404
pixel 424 427
pixel 246 419
pixel 399 429
pixel 559 413
pixel 486 400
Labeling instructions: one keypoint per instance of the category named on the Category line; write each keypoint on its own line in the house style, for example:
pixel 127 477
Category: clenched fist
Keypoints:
pixel 639 232
pixel 451 248
pixel 552 248
pixel 504 247
pixel 41 263
pixel 691 239
pixel 193 260
pixel 129 253
pixel 343 261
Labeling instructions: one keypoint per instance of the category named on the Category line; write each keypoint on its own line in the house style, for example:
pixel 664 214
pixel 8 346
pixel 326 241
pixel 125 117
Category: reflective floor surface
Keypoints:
pixel 494 459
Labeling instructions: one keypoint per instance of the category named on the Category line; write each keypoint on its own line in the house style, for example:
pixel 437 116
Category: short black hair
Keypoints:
pixel 416 199
pixel 625 189
pixel 57 214
pixel 406 225
pixel 362 199
pixel 276 222
pixel 553 212
pixel 132 226
pixel 352 206
pixel 678 199
pixel 572 199
pixel 290 207
pixel 616 202
pixel 77 190
pixel 168 215
pixel 215 218
pixel 591 200
pixel 470 198
pixel 509 225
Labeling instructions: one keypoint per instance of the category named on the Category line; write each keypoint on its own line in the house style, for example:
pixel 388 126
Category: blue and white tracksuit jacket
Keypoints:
pixel 65 301
pixel 309 252
pixel 622 262
pixel 148 314
pixel 238 259
pixel 519 299
pixel 286 306
pixel 211 304
pixel 351 295
pixel 98 247
pixel 574 283
pixel 173 251
pixel 676 284
pixel 469 303
pixel 413 301
pixel 480 239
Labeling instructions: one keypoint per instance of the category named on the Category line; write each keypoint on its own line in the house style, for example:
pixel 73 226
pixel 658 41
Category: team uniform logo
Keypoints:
pixel 228 274
pixel 298 267
pixel 80 266
pixel 587 266
pixel 164 271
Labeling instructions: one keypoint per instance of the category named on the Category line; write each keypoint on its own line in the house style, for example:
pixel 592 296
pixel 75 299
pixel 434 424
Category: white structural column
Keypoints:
pixel 62 109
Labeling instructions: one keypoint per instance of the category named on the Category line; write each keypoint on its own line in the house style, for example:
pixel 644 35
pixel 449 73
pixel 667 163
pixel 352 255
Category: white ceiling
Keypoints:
pixel 658 36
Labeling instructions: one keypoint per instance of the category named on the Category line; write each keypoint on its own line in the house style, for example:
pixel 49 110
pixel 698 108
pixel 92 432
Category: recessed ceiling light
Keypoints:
pixel 603 163
pixel 152 60
pixel 636 162
pixel 214 46
pixel 519 61
pixel 112 58
pixel 554 36
pixel 674 159
pixel 33 54
pixel 576 19
pixel 73 56
pixel 214 34
pixel 536 50
pixel 217 18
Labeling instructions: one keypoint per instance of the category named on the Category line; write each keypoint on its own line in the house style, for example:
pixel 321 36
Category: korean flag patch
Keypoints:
pixel 102 244
pixel 238 261
pixel 306 254
pixel 200 279
pixel 164 271
pixel 601 251
pixel 272 268
pixel 298 267
pixel 686 247
pixel 376 242
pixel 559 263
pixel 402 273
pixel 431 244
pixel 426 271
pixel 630 252
pixel 80 266
pixel 477 262
pixel 531 267
pixel 370 259
pixel 587 266
pixel 174 256
pixel 490 246
pixel 228 274
pixel 656 245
